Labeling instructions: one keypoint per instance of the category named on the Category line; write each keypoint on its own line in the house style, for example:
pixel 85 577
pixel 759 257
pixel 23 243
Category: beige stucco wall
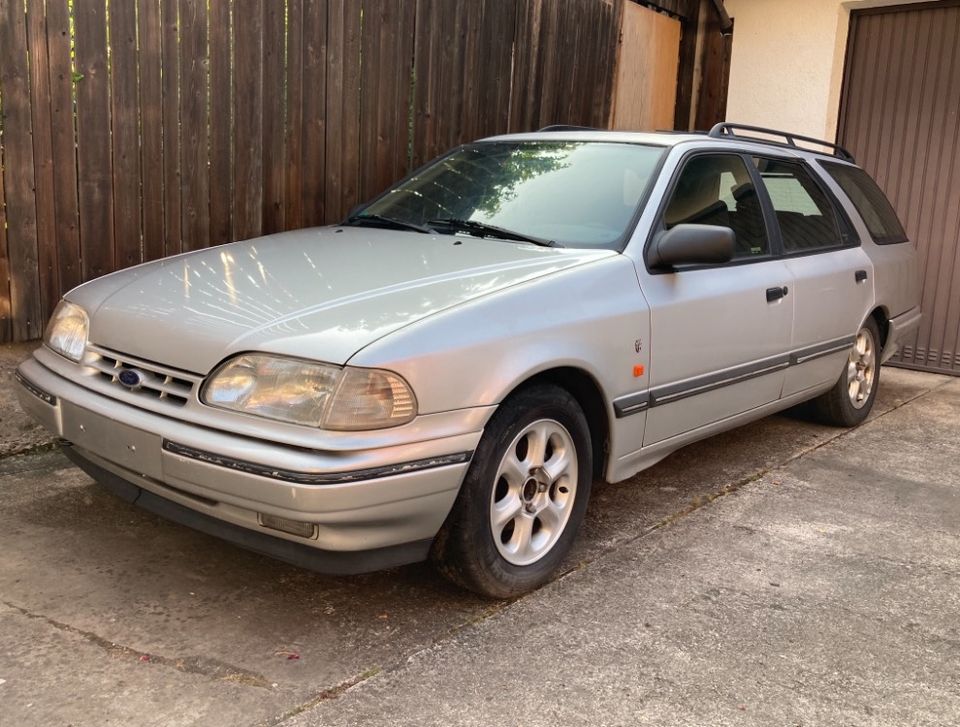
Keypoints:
pixel 786 67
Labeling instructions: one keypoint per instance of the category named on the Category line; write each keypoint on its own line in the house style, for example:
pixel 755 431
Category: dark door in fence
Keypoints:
pixel 900 116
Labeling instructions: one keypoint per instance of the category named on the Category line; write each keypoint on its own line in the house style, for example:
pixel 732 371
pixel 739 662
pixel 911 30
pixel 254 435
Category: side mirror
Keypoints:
pixel 691 245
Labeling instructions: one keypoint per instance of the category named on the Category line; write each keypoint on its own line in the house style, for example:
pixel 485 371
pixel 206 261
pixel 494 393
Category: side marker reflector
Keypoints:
pixel 285 525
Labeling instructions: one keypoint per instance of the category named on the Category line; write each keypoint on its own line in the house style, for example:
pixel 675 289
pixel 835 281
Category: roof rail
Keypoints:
pixel 725 130
pixel 567 127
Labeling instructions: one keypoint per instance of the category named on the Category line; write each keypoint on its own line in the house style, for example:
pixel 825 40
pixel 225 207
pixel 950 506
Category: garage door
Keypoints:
pixel 900 116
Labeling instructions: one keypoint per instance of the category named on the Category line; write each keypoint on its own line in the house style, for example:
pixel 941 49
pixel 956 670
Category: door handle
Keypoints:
pixel 776 293
pixel 860 276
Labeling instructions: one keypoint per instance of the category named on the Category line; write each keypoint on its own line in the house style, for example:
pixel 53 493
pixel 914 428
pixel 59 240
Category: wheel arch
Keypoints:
pixel 589 395
pixel 881 315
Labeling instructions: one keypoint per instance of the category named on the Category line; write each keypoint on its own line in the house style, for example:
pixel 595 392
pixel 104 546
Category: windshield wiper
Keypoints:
pixel 387 221
pixel 482 229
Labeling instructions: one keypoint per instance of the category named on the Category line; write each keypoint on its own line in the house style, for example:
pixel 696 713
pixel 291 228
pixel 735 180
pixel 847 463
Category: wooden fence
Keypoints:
pixel 135 129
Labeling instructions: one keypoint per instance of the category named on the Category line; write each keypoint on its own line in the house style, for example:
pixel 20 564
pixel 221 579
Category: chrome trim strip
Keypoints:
pixel 143 363
pixel 35 390
pixel 631 404
pixel 821 349
pixel 314 478
pixel 669 393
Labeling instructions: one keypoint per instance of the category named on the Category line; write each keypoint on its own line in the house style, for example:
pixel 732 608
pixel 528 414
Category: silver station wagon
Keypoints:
pixel 446 373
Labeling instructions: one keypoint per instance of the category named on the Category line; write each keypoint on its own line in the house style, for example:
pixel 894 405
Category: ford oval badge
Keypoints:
pixel 130 378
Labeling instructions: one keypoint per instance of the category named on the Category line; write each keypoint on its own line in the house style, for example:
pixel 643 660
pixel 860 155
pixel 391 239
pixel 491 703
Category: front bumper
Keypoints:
pixel 369 508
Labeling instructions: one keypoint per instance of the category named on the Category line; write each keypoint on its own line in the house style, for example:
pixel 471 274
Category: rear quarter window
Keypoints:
pixel 870 201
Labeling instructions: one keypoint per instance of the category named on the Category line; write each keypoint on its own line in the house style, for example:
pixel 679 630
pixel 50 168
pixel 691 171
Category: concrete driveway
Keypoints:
pixel 785 573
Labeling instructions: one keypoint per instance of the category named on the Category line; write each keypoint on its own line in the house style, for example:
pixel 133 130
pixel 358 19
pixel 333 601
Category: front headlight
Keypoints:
pixel 67 331
pixel 313 394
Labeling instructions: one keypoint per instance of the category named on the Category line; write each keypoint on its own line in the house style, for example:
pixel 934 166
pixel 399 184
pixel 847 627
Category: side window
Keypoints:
pixel 807 218
pixel 716 189
pixel 870 201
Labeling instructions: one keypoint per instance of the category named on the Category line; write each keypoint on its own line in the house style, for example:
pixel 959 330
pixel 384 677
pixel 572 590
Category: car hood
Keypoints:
pixel 321 293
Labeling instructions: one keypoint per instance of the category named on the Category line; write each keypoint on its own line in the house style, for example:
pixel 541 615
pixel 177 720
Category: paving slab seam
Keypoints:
pixel 323 696
pixel 212 668
pixel 335 692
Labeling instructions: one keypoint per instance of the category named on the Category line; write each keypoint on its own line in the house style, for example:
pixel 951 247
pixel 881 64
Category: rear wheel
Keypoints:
pixel 523 498
pixel 850 400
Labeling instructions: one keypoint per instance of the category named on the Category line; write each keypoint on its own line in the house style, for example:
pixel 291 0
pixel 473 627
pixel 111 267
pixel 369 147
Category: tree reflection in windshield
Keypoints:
pixel 578 193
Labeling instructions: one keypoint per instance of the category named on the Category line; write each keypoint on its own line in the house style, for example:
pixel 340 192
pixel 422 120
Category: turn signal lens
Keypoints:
pixel 371 399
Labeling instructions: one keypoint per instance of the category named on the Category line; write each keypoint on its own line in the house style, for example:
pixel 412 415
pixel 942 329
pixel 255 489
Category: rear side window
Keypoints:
pixel 870 201
pixel 808 221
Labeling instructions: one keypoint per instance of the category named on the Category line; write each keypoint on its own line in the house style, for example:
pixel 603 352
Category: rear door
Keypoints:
pixel 897 280
pixel 832 275
pixel 720 334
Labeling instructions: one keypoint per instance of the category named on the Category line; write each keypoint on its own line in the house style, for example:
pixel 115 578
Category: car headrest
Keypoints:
pixel 744 191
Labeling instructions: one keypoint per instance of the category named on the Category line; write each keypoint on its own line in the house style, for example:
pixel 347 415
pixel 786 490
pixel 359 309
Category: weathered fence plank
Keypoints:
pixel 95 167
pixel 374 84
pixel 350 126
pixel 48 269
pixel 248 118
pixel 343 107
pixel 273 128
pixel 312 160
pixel 526 44
pixel 149 66
pixel 387 41
pixel 63 146
pixel 194 157
pixel 221 129
pixel 170 122
pixel 18 172
pixel 499 21
pixel 293 149
pixel 125 134
pixel 426 91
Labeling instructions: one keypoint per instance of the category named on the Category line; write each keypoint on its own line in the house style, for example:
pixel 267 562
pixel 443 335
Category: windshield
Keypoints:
pixel 577 194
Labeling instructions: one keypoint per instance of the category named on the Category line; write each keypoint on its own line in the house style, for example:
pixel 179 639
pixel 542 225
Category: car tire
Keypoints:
pixel 523 498
pixel 850 400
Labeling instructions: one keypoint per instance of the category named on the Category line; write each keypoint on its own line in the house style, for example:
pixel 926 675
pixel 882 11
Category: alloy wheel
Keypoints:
pixel 534 492
pixel 861 369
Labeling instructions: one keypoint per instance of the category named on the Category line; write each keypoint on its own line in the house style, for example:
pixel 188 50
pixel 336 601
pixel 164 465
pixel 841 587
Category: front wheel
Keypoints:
pixel 523 498
pixel 850 400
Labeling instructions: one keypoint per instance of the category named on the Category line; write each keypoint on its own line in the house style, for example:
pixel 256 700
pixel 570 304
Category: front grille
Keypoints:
pixel 170 386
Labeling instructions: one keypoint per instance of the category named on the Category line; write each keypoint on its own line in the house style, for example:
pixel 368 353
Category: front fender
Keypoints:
pixel 592 318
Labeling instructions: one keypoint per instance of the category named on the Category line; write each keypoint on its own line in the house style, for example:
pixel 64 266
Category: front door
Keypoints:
pixel 720 335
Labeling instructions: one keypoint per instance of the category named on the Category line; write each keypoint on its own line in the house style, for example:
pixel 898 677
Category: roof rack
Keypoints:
pixel 725 130
pixel 567 127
